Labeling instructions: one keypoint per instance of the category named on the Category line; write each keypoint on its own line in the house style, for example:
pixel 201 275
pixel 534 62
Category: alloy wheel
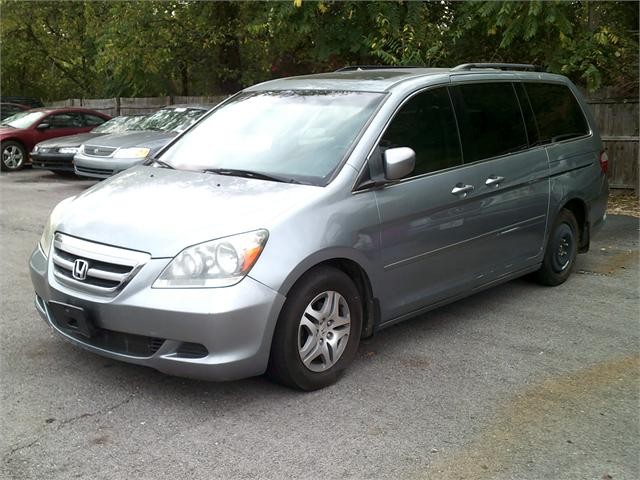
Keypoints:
pixel 323 331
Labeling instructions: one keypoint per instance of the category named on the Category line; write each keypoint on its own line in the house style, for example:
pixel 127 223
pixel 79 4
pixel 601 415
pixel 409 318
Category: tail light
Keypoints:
pixel 604 161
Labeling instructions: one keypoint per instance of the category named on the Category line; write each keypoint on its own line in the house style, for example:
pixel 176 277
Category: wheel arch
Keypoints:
pixel 355 270
pixel 580 210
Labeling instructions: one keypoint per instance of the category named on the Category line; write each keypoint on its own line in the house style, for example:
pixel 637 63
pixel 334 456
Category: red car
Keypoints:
pixel 20 132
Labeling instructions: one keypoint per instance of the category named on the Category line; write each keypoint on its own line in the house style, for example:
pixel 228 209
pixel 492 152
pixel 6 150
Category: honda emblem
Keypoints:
pixel 80 268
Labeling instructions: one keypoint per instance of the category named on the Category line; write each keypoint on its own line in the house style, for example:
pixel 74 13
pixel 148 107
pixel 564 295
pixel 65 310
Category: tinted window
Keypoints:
pixel 529 120
pixel 557 112
pixel 490 120
pixel 64 120
pixel 426 123
pixel 93 120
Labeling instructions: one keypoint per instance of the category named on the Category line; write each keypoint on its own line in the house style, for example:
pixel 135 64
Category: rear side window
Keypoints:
pixel 426 123
pixel 491 122
pixel 93 120
pixel 557 112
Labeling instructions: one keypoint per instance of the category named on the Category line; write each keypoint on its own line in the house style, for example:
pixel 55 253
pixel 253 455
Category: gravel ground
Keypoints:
pixel 624 202
pixel 517 382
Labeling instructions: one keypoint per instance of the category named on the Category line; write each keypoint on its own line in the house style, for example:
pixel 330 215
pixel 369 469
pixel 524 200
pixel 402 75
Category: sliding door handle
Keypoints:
pixel 494 181
pixel 462 190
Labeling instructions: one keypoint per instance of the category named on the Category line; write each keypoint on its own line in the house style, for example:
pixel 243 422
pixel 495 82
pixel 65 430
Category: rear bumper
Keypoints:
pixel 234 324
pixel 52 161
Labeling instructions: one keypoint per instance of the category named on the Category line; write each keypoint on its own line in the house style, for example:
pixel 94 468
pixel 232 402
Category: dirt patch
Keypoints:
pixel 624 203
pixel 545 421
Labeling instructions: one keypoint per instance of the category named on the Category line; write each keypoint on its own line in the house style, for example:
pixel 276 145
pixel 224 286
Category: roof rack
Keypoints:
pixel 497 66
pixel 353 68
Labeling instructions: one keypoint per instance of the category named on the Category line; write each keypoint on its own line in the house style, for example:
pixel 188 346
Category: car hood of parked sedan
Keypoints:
pixel 161 211
pixel 69 141
pixel 145 139
pixel 6 131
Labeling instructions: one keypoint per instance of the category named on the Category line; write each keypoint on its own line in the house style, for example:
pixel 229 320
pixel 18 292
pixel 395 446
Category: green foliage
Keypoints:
pixel 181 47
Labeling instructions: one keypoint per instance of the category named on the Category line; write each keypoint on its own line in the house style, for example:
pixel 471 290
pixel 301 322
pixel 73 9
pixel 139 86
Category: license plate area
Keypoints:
pixel 73 319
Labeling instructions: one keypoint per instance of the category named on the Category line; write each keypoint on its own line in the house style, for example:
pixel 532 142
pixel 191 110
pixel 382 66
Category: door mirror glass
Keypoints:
pixel 398 162
pixel 43 126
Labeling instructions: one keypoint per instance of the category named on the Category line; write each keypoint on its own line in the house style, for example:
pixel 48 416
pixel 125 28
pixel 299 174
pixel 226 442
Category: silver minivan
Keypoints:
pixel 305 213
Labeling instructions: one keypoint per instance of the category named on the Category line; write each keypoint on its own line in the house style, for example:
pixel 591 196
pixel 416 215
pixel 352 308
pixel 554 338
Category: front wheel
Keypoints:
pixel 318 331
pixel 562 249
pixel 14 156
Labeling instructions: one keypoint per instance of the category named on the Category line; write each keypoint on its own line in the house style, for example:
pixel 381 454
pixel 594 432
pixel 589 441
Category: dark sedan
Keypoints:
pixel 22 131
pixel 57 154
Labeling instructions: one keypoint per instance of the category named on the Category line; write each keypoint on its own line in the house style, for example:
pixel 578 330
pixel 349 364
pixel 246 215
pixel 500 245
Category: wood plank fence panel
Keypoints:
pixel 104 105
pixel 617 120
pixel 210 100
pixel 143 104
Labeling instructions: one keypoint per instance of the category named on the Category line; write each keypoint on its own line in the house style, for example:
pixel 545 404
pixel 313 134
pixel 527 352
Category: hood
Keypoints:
pixel 161 211
pixel 145 139
pixel 9 131
pixel 69 141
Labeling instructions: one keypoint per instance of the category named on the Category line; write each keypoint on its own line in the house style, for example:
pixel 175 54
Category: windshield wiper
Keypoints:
pixel 234 172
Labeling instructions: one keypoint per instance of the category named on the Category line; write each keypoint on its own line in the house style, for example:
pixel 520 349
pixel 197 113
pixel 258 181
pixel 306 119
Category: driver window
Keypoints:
pixel 426 123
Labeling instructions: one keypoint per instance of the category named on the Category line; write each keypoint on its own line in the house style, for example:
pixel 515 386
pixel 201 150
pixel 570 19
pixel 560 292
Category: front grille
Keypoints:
pixel 92 266
pixel 97 151
pixel 54 162
pixel 117 342
pixel 94 171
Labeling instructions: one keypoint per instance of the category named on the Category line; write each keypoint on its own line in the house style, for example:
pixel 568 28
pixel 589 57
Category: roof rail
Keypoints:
pixel 498 66
pixel 353 68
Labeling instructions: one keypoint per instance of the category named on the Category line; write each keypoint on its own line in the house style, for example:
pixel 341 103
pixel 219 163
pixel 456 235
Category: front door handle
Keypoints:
pixel 462 190
pixel 494 180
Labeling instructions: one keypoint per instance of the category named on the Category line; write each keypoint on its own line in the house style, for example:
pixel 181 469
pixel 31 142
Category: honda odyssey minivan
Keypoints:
pixel 305 213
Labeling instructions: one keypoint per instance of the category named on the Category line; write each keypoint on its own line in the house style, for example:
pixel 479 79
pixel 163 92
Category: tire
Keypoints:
pixel 14 156
pixel 561 250
pixel 308 327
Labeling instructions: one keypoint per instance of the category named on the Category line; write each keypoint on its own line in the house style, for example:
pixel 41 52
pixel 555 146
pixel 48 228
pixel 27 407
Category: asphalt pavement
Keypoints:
pixel 517 382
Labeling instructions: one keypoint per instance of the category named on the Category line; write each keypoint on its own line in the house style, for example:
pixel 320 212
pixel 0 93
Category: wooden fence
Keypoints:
pixel 617 120
pixel 126 106
pixel 618 123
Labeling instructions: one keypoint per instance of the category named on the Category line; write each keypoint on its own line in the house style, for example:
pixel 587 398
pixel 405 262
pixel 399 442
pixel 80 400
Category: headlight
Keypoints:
pixel 68 150
pixel 50 228
pixel 218 263
pixel 36 148
pixel 132 153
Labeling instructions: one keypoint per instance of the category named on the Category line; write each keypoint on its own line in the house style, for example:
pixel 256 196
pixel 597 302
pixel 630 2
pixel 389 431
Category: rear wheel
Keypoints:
pixel 14 156
pixel 318 331
pixel 561 251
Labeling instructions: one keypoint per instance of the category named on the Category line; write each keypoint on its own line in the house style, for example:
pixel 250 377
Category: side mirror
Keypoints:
pixel 43 126
pixel 398 162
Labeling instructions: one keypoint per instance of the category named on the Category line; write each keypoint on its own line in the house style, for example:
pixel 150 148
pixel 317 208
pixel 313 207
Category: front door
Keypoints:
pixel 428 221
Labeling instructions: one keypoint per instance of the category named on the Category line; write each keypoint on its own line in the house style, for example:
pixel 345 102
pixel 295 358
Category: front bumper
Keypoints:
pixel 102 167
pixel 53 161
pixel 235 324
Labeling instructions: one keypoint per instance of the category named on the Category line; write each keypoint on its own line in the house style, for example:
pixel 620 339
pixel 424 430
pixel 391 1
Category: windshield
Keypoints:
pixel 298 135
pixel 23 119
pixel 168 119
pixel 120 124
